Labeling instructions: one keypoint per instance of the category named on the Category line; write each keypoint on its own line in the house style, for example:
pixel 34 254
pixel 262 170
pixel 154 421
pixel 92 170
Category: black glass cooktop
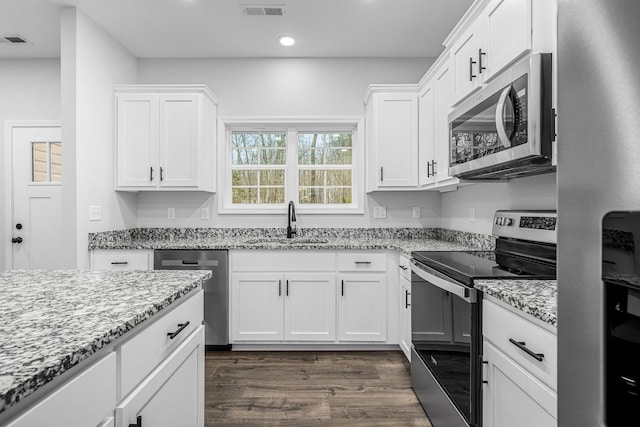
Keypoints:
pixel 465 267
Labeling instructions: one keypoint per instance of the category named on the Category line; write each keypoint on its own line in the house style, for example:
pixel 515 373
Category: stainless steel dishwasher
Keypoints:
pixel 216 294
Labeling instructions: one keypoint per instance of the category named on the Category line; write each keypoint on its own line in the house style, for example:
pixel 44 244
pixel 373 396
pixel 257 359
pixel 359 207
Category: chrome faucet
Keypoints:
pixel 291 218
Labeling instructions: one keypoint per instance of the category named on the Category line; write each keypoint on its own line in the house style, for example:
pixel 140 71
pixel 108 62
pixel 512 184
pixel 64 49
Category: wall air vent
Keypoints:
pixel 262 10
pixel 13 39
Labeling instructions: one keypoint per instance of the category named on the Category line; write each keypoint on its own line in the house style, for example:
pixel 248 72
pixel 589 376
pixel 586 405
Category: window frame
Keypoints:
pixel 291 126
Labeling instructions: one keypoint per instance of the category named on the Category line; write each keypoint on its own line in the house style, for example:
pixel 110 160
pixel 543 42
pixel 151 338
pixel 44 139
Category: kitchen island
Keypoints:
pixel 56 325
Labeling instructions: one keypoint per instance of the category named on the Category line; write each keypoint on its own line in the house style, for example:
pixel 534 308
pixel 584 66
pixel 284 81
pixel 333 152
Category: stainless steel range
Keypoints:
pixel 446 323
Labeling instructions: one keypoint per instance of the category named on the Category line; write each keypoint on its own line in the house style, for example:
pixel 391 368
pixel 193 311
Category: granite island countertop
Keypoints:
pixel 52 320
pixel 404 240
pixel 538 298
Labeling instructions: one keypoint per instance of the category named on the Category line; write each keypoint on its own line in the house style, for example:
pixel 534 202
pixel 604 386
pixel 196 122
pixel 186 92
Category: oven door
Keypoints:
pixel 446 357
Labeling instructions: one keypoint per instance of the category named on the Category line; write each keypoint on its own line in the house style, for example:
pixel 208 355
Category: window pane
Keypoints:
pixel 272 177
pixel 311 156
pixel 339 156
pixel 272 140
pixel 339 139
pixel 273 156
pixel 311 195
pixel 310 140
pixel 56 162
pixel 40 170
pixel 311 178
pixel 244 156
pixel 244 195
pixel 339 195
pixel 340 178
pixel 244 177
pixel 272 195
pixel 245 140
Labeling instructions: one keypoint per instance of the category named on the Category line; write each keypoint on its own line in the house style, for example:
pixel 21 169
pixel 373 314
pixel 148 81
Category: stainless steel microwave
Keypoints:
pixel 506 129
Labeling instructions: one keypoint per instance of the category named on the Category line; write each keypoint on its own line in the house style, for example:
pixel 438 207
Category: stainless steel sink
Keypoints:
pixel 285 241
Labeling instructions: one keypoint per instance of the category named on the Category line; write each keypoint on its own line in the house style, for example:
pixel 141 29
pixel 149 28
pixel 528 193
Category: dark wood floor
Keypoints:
pixel 310 389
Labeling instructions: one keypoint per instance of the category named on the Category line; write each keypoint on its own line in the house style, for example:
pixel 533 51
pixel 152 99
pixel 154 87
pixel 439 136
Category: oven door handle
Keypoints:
pixel 461 291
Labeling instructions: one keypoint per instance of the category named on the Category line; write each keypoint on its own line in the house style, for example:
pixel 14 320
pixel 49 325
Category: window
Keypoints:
pixel 46 162
pixel 317 165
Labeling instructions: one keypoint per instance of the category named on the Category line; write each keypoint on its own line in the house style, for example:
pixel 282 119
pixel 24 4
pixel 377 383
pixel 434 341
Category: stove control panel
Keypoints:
pixel 537 226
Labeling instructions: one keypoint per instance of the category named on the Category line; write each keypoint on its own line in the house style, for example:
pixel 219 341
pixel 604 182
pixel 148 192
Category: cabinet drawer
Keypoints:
pixel 362 261
pixel 500 325
pixel 279 261
pixel 142 353
pixel 405 267
pixel 121 259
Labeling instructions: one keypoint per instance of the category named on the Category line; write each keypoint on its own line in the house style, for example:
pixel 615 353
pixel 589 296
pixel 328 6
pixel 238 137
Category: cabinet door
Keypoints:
pixel 443 99
pixel 121 259
pixel 86 400
pixel 405 316
pixel 432 323
pixel 507 34
pixel 396 128
pixel 173 394
pixel 464 62
pixel 512 397
pixel 179 140
pixel 426 132
pixel 310 307
pixel 257 306
pixel 362 306
pixel 136 140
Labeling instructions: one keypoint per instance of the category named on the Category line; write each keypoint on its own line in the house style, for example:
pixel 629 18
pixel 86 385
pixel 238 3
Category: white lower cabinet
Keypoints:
pixel 121 259
pixel 520 360
pixel 85 401
pixel 405 316
pixel 173 394
pixel 289 307
pixel 362 307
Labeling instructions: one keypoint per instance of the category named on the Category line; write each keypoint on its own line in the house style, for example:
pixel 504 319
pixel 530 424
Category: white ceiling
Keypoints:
pixel 217 29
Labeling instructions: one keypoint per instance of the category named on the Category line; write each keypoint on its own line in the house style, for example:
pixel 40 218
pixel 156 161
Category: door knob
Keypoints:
pixel 16 240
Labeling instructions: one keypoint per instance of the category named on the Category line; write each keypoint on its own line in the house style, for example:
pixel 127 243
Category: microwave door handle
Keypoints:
pixel 502 131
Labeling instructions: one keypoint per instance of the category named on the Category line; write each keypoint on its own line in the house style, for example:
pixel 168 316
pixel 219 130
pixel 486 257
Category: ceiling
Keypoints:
pixel 218 29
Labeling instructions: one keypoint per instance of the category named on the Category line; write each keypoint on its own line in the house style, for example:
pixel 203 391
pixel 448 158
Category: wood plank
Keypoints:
pixel 332 388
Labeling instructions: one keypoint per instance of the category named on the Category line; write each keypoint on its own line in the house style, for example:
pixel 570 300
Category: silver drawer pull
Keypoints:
pixel 522 346
pixel 181 327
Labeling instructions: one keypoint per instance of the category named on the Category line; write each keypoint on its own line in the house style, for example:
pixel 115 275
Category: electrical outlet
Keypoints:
pixel 171 213
pixel 204 213
pixel 416 211
pixel 380 212
pixel 472 214
pixel 95 213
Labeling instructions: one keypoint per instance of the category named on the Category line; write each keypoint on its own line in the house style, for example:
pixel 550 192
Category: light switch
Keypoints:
pixel 416 211
pixel 380 212
pixel 171 213
pixel 95 213
pixel 204 213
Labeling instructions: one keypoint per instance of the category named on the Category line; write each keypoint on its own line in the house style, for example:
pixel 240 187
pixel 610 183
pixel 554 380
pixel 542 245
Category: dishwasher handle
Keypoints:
pixel 190 263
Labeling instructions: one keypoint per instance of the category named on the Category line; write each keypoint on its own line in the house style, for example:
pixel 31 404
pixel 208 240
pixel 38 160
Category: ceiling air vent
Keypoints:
pixel 264 10
pixel 14 39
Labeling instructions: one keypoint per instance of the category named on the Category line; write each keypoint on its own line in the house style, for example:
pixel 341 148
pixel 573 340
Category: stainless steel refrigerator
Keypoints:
pixel 598 172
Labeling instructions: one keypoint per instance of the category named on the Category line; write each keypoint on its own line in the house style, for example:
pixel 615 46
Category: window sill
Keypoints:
pixel 300 210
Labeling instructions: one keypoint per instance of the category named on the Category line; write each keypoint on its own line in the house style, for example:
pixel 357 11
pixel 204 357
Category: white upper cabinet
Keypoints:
pixel 165 138
pixel 494 34
pixel 426 133
pixel 392 137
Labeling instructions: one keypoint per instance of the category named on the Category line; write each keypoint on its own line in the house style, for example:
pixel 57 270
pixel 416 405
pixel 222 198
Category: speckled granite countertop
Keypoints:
pixel 405 240
pixel 536 297
pixel 52 320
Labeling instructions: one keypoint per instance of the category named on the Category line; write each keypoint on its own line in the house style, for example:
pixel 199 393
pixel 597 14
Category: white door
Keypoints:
pixel 37 198
pixel 257 311
pixel 362 307
pixel 310 307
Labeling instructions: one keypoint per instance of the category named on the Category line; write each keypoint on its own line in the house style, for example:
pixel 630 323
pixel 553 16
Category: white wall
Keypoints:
pixel 280 88
pixel 536 192
pixel 30 91
pixel 92 63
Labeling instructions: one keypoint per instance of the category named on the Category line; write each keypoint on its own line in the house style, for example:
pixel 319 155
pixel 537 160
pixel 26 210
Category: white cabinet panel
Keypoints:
pixel 512 396
pixel 362 307
pixel 179 140
pixel 173 394
pixel 427 134
pixel 310 307
pixel 121 259
pixel 405 316
pixel 257 307
pixel 464 62
pixel 86 400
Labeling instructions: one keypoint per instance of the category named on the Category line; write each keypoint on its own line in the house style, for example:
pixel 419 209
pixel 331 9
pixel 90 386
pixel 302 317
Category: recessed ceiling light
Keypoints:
pixel 286 41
